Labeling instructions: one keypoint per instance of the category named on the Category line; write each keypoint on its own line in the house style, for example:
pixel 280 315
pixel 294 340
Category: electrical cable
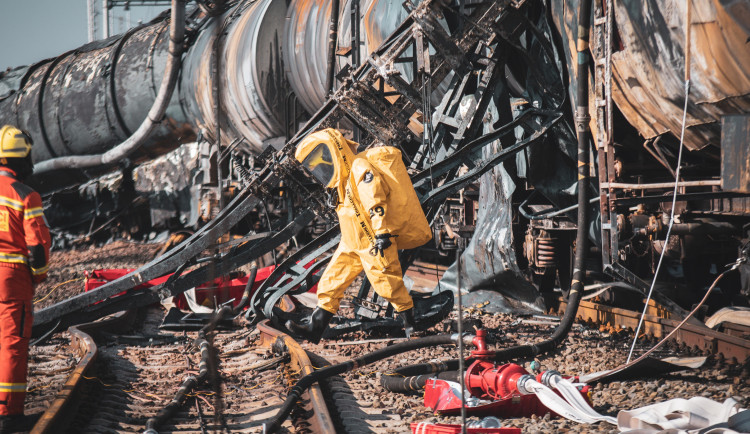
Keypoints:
pixel 671 222
pixel 39 300
pixel 461 356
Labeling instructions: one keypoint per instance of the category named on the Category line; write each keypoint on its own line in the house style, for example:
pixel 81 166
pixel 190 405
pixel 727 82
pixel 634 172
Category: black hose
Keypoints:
pixel 305 382
pixel 190 382
pixel 246 293
pixel 413 378
pixel 407 378
pixel 584 133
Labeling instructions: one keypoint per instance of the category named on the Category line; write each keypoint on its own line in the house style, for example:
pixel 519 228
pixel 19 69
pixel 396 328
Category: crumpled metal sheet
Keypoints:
pixel 489 270
pixel 648 81
pixel 166 182
pixel 649 67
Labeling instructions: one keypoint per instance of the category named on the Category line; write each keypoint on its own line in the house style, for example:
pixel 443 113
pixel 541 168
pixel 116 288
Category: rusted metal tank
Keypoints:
pixel 250 81
pixel 306 43
pixel 90 99
pixel 648 63
pixel 648 71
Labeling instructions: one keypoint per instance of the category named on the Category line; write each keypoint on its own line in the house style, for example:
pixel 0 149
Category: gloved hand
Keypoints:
pixel 382 242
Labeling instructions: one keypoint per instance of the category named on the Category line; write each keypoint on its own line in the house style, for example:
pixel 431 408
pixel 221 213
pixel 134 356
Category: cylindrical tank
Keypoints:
pixel 88 100
pixel 306 50
pixel 306 43
pixel 251 74
pixel 648 64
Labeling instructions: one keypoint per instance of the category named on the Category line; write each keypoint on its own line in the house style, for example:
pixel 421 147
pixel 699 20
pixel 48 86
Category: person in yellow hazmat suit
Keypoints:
pixel 367 242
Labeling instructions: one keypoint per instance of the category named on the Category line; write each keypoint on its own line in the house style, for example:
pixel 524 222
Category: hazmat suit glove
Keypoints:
pixel 382 242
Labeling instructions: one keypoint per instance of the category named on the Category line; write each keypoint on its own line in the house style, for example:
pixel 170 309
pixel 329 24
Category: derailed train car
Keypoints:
pixel 253 71
pixel 642 112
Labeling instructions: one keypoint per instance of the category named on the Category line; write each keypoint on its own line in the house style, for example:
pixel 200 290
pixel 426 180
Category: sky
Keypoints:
pixel 33 30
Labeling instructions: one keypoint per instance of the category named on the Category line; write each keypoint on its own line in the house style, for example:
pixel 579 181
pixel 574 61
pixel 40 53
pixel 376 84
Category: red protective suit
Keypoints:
pixel 24 257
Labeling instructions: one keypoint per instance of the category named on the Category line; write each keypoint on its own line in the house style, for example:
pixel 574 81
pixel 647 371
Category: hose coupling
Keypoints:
pixel 467 338
pixel 521 384
pixel 547 376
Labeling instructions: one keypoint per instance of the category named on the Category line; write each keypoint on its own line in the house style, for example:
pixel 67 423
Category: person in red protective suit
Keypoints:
pixel 24 256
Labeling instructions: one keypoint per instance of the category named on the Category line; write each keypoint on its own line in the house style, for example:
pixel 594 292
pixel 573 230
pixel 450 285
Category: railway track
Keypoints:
pixel 734 344
pixel 117 377
pixel 136 373
pixel 123 379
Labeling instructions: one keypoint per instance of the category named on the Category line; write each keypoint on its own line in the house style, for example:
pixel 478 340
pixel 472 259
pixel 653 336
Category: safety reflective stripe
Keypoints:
pixel 38 271
pixel 33 213
pixel 11 203
pixel 13 258
pixel 12 387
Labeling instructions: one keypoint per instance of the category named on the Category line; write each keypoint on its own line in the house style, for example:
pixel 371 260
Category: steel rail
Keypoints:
pixel 53 419
pixel 320 420
pixel 61 412
pixel 698 335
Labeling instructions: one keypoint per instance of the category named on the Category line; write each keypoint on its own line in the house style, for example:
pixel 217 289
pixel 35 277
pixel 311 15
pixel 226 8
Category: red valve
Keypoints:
pixel 486 380
pixel 481 351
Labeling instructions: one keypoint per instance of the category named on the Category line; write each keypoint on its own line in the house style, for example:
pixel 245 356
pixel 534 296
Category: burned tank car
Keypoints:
pixel 251 75
pixel 637 137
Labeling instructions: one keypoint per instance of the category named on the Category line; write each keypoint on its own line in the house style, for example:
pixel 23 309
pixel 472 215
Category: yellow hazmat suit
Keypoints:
pixel 362 209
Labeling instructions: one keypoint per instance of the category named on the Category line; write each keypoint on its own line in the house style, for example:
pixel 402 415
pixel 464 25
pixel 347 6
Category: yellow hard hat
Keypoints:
pixel 14 143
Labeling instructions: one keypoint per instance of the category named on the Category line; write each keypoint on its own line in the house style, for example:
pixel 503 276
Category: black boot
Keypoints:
pixel 17 423
pixel 315 326
pixel 407 316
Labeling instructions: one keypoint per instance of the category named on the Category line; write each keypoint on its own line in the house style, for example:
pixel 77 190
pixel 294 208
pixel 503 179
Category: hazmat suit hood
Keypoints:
pixel 328 156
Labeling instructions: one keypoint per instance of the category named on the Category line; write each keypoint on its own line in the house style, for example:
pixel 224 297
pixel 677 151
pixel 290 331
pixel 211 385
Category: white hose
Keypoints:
pixel 571 394
pixel 554 402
